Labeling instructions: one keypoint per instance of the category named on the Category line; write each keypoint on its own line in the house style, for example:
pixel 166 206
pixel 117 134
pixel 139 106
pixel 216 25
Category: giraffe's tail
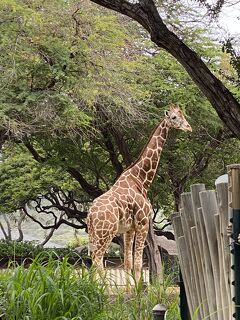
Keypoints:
pixel 89 225
pixel 90 233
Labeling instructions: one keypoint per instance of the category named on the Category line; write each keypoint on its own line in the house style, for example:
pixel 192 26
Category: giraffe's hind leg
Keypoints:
pixel 140 238
pixel 128 256
pixel 102 228
pixel 100 246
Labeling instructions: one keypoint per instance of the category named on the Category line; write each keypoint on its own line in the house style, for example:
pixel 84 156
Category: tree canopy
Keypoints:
pixel 80 95
pixel 147 14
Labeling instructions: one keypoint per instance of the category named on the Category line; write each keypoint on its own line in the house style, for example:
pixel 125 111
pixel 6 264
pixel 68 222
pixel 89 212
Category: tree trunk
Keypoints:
pixel 146 13
pixel 48 237
pixel 153 254
pixel 20 221
pixel 220 97
pixel 8 233
pixel 3 231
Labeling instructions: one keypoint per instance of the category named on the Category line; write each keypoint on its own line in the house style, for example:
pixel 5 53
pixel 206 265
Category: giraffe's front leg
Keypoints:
pixel 140 238
pixel 128 256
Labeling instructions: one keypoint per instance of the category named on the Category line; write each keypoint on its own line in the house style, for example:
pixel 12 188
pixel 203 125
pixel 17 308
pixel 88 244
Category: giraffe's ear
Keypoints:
pixel 166 113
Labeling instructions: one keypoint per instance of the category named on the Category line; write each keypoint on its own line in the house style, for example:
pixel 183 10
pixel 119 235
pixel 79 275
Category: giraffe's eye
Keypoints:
pixel 174 117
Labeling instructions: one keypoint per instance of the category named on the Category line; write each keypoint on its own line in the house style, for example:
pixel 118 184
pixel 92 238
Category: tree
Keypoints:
pixel 78 110
pixel 147 14
pixel 44 110
pixel 229 47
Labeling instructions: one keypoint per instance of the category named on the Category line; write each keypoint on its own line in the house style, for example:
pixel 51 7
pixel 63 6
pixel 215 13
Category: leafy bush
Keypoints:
pixel 14 248
pixel 78 241
pixel 29 249
pixel 55 290
pixel 114 251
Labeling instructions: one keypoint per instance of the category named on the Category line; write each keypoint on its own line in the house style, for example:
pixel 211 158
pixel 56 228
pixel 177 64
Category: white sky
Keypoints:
pixel 228 22
pixel 230 19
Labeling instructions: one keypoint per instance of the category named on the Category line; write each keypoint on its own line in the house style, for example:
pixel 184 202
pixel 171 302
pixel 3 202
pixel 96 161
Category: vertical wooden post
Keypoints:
pixel 222 198
pixel 209 209
pixel 184 310
pixel 195 191
pixel 234 194
pixel 183 256
pixel 203 247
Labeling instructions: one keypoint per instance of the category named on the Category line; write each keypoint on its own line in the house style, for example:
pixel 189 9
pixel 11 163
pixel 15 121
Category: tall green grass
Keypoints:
pixel 139 304
pixel 56 290
pixel 51 291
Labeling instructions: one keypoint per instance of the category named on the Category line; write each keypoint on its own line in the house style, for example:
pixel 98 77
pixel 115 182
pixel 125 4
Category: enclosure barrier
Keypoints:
pixel 204 252
pixel 234 204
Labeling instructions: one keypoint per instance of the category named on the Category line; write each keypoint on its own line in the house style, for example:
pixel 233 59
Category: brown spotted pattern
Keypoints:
pixel 125 208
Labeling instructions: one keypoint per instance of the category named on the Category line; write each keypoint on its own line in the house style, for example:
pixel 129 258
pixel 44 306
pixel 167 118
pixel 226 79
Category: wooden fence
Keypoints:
pixel 115 273
pixel 204 253
pixel 116 277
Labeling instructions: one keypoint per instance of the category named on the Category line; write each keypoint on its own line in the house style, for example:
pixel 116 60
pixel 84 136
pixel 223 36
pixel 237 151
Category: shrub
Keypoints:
pixel 15 248
pixel 29 249
pixel 55 290
pixel 78 241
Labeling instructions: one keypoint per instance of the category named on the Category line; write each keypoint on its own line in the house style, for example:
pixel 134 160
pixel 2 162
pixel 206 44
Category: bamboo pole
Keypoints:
pixel 223 293
pixel 208 270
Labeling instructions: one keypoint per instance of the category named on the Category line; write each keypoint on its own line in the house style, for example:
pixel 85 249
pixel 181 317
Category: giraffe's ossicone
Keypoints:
pixel 125 208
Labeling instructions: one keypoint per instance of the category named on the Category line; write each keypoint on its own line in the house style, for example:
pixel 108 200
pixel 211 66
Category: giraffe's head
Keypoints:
pixel 176 119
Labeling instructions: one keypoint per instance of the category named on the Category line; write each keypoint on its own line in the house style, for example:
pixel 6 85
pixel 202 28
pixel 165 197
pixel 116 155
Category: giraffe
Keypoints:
pixel 125 208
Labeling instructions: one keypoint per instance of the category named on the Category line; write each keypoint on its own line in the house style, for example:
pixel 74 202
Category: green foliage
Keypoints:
pixel 67 82
pixel 230 47
pixel 78 241
pixel 22 179
pixel 56 290
pixel 58 78
pixel 29 249
pixel 53 291
pixel 56 70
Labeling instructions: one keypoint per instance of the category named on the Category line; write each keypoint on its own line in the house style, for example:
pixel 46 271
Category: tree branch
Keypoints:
pixel 112 154
pixel 145 12
pixel 88 188
pixel 3 137
pixel 33 151
pixel 19 224
pixel 122 146
pixel 134 11
pixel 55 225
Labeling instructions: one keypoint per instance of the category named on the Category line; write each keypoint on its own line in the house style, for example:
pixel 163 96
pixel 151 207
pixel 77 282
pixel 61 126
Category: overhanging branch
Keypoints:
pixel 145 12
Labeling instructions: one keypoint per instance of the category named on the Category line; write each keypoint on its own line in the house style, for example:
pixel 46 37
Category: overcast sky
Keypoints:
pixel 230 19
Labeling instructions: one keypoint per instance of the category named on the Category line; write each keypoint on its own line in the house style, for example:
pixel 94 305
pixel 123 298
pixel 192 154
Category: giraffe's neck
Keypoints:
pixel 145 167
